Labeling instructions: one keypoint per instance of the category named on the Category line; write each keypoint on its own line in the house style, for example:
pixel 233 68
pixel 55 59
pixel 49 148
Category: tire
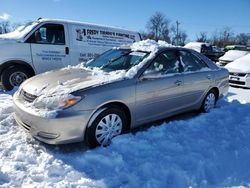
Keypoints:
pixel 14 76
pixel 209 101
pixel 99 134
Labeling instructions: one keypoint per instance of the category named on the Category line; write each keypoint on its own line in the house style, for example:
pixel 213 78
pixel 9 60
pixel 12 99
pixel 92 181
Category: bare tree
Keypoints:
pixel 158 27
pixel 243 39
pixel 5 26
pixel 179 38
pixel 202 37
pixel 223 37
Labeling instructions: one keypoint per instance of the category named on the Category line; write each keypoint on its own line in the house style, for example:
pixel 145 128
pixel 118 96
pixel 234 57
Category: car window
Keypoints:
pixel 166 63
pixel 49 34
pixel 118 59
pixel 190 62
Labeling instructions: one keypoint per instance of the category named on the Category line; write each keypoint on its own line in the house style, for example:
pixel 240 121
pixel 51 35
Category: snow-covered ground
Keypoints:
pixel 201 150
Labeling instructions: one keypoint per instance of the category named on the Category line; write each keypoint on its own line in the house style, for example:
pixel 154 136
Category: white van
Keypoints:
pixel 48 44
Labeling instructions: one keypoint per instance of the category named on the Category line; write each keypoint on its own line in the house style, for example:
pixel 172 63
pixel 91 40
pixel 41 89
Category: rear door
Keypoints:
pixel 49 47
pixel 159 89
pixel 197 77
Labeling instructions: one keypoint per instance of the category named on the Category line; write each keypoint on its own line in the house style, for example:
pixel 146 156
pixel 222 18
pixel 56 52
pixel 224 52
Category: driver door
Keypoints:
pixel 159 89
pixel 49 47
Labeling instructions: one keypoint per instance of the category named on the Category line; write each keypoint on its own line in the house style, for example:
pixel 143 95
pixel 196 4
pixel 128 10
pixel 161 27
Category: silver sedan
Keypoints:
pixel 118 91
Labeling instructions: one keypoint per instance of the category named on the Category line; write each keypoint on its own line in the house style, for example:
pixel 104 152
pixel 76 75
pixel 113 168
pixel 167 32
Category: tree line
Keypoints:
pixel 159 27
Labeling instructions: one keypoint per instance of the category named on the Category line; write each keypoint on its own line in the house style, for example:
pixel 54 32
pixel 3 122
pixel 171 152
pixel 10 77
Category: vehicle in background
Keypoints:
pixel 237 47
pixel 212 52
pixel 48 44
pixel 231 56
pixel 119 90
pixel 239 72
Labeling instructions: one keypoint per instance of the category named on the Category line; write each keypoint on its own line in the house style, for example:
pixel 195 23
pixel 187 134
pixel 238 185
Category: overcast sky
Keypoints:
pixel 194 15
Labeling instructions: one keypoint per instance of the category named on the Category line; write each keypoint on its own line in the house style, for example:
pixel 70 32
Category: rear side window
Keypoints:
pixel 48 34
pixel 190 62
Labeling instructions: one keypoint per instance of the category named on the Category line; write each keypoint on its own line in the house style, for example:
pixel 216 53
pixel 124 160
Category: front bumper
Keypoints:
pixel 66 127
pixel 239 80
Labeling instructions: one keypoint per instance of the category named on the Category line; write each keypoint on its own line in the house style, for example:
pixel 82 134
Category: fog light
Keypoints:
pixel 48 135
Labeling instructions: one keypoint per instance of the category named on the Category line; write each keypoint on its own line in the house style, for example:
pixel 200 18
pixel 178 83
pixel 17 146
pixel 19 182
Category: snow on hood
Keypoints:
pixel 54 86
pixel 195 46
pixel 232 55
pixel 241 64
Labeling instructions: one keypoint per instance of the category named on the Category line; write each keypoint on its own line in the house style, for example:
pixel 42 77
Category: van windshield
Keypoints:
pixel 118 59
pixel 20 32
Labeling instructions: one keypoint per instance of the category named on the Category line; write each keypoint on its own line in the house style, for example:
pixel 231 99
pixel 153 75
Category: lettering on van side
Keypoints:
pixel 49 55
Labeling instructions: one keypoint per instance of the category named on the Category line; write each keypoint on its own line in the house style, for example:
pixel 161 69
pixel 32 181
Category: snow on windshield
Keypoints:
pixel 232 55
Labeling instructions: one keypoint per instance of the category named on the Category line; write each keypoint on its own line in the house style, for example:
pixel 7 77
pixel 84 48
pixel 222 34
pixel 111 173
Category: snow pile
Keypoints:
pixel 205 150
pixel 232 55
pixel 195 45
pixel 240 65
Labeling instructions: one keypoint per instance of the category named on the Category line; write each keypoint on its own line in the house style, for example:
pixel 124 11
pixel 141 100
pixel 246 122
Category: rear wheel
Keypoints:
pixel 14 76
pixel 108 124
pixel 209 101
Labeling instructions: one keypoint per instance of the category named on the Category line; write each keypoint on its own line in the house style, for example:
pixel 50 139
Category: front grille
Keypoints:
pixel 237 74
pixel 27 96
pixel 24 125
pixel 236 82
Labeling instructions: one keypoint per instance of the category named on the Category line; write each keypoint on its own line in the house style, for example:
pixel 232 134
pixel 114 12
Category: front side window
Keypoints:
pixel 48 34
pixel 166 63
pixel 190 62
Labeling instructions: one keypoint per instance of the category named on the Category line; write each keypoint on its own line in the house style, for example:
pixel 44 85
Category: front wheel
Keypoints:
pixel 209 101
pixel 14 76
pixel 108 124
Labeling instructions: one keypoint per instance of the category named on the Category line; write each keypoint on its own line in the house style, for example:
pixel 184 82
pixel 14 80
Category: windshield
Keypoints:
pixel 20 32
pixel 118 59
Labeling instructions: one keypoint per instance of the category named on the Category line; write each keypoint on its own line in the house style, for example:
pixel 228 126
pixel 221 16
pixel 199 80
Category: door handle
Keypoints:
pixel 67 50
pixel 178 82
pixel 209 77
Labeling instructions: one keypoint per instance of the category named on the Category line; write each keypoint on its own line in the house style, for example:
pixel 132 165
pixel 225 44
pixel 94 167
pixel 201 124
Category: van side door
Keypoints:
pixel 49 47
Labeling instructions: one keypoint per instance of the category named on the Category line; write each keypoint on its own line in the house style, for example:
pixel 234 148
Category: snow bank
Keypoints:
pixel 205 150
pixel 241 64
pixel 232 55
pixel 195 46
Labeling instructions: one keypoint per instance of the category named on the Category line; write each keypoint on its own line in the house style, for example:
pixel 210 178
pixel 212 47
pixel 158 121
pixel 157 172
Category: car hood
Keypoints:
pixel 241 65
pixel 66 81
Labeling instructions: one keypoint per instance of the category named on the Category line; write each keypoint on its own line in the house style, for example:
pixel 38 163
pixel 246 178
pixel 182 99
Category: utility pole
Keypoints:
pixel 177 32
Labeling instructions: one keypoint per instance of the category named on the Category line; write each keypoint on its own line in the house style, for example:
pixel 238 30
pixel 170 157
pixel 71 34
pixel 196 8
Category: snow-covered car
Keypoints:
pixel 231 56
pixel 239 71
pixel 212 52
pixel 119 90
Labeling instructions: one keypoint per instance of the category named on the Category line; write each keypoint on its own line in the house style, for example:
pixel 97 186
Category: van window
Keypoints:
pixel 48 34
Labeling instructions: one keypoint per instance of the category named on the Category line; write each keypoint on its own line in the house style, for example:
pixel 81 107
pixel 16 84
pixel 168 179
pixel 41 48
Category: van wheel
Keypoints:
pixel 14 76
pixel 108 124
pixel 209 101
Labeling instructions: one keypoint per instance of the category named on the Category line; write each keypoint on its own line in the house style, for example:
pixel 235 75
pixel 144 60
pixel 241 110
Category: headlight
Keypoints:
pixel 56 102
pixel 65 103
